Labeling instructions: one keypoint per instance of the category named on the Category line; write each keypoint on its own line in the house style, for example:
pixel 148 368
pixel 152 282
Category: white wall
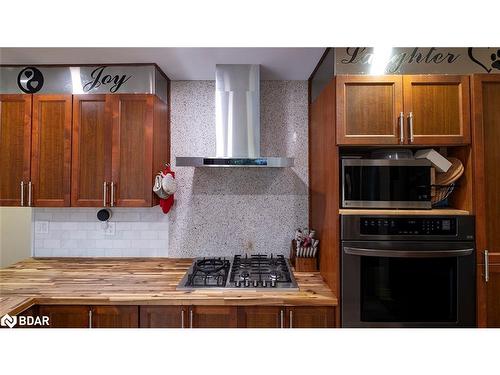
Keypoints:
pixel 15 235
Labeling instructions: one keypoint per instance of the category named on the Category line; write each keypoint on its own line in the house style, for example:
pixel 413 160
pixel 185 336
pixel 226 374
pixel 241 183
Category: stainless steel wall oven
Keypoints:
pixel 408 271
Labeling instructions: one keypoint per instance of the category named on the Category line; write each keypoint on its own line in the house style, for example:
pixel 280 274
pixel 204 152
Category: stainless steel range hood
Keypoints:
pixel 237 125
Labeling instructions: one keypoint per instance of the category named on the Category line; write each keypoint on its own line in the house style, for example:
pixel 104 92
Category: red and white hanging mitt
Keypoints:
pixel 165 187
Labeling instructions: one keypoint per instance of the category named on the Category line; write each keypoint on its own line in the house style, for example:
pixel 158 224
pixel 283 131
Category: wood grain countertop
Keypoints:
pixel 134 281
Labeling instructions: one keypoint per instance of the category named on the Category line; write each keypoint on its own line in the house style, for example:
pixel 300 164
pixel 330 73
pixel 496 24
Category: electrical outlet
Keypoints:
pixel 42 227
pixel 110 230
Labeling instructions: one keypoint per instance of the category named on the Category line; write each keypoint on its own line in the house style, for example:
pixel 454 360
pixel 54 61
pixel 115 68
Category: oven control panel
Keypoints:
pixel 408 226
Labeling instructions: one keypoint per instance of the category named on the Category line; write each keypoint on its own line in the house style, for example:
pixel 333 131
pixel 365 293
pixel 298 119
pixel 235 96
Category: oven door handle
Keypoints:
pixel 406 253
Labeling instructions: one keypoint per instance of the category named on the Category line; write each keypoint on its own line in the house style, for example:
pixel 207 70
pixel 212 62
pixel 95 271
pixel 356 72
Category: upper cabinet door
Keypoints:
pixel 369 110
pixel 15 147
pixel 91 151
pixel 51 151
pixel 132 160
pixel 437 109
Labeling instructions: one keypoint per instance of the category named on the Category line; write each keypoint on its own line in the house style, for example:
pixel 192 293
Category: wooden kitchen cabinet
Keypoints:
pixel 66 316
pixel 310 317
pixel 140 148
pixel 261 317
pixel 486 125
pixel 91 150
pixel 163 317
pixel 411 109
pixel 108 316
pixel 120 142
pixel 369 110
pixel 145 316
pixel 83 316
pixel 437 109
pixel 35 150
pixel 51 151
pixel 82 150
pixel 15 147
pixel 132 160
pixel 213 317
pixel 488 294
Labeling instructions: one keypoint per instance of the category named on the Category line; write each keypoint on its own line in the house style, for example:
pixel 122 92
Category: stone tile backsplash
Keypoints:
pixel 76 232
pixel 226 211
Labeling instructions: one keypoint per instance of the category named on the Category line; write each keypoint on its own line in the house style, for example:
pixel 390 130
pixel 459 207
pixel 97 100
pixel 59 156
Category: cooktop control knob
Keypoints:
pixel 237 283
pixel 264 283
pixel 273 283
pixel 255 283
pixel 247 283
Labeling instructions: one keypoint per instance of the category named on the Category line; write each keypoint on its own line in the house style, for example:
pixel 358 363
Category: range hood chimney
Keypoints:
pixel 237 125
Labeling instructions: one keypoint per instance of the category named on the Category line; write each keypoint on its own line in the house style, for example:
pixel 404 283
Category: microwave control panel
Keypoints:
pixel 408 226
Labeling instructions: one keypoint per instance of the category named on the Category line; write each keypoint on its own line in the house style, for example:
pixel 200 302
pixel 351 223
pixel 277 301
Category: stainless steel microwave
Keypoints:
pixel 386 183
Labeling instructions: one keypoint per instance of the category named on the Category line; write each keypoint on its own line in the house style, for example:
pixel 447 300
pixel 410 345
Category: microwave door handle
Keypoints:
pixel 406 253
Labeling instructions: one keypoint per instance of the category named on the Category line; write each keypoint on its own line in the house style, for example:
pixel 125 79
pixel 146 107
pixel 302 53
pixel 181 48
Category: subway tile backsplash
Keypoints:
pixel 76 232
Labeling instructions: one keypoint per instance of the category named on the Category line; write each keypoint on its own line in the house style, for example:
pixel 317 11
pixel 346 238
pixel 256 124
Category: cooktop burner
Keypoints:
pixel 208 272
pixel 257 271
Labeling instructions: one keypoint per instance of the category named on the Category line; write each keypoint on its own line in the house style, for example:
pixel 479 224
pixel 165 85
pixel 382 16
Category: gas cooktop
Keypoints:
pixel 256 272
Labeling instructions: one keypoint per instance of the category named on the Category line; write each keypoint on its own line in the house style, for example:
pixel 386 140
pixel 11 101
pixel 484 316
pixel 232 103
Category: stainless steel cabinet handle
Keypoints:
pixel 22 193
pixel 486 266
pixel 282 324
pixel 104 194
pixel 182 318
pixel 411 127
pixel 191 318
pixel 291 319
pixel 401 127
pixel 29 193
pixel 90 318
pixel 112 200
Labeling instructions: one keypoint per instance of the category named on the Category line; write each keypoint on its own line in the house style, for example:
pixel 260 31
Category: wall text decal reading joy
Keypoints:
pixel 99 78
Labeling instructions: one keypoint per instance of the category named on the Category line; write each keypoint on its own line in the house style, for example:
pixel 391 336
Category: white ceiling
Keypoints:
pixel 179 63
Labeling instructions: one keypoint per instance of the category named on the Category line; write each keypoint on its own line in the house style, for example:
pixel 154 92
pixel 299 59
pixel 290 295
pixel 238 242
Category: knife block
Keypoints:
pixel 303 264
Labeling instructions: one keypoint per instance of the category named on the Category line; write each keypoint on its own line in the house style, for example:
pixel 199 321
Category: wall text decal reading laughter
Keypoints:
pixel 417 60
pixel 359 55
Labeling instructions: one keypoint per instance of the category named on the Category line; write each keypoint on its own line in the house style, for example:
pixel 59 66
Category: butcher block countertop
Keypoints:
pixel 133 281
